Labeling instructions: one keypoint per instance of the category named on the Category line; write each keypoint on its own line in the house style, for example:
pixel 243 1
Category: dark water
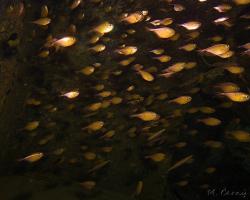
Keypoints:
pixel 216 170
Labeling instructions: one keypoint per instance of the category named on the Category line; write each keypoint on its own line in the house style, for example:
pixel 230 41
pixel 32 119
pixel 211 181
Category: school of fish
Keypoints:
pixel 145 85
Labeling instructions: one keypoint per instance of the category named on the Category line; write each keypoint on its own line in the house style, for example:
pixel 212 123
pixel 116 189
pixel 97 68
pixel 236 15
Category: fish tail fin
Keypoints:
pixel 134 115
pixel 167 75
pixel 220 94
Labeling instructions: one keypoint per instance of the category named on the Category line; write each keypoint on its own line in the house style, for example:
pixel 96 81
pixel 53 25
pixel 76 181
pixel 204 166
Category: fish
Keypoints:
pixel 144 74
pixel 99 166
pixel 210 121
pixel 241 2
pixel 42 21
pixel 163 22
pixel 65 41
pixel 181 162
pixel 234 69
pixel 223 7
pixel 157 51
pixel 206 109
pixel 213 144
pixel 94 126
pixel 89 156
pixel 137 86
pixel 30 126
pixel 88 185
pixel 88 70
pixel 173 69
pixel 217 49
pixel 44 11
pixel 75 4
pixel 188 47
pixel 191 25
pixel 104 28
pixel 181 100
pixel 98 48
pixel 163 58
pixel 139 188
pixel 71 95
pixel 127 62
pixel 240 135
pixel 94 106
pixel 128 50
pixel 134 17
pixel 164 32
pixel 228 87
pixel 156 157
pixel 147 116
pixel 34 157
pixel 236 96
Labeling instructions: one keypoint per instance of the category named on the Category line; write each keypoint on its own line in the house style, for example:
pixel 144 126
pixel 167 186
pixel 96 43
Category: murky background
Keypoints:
pixel 125 99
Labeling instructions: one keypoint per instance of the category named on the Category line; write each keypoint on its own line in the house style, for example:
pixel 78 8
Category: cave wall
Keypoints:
pixel 11 91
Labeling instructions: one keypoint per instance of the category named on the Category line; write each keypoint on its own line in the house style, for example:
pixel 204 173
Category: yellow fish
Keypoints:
pixel 236 96
pixel 241 2
pixel 216 38
pixel 65 42
pixel 210 121
pixel 98 48
pixel 116 100
pixel 44 11
pixel 207 110
pixel 147 116
pixel 94 39
pixel 104 27
pixel 163 58
pixel 134 17
pixel 31 125
pixel 223 8
pixel 42 21
pixel 104 94
pixel 94 106
pixel 234 69
pixel 145 75
pixel 178 7
pixel 164 22
pixel 157 157
pixel 188 47
pixel 128 50
pixel 43 54
pixel 192 25
pixel 190 65
pixel 75 4
pixel 181 162
pixel 89 156
pixel 88 185
pixel 139 188
pixel 213 144
pixel 177 67
pixel 71 94
pixel 94 126
pixel 228 87
pixel 33 157
pixel 181 100
pixel 164 32
pixel 127 61
pixel 88 70
pixel 241 136
pixel 157 51
pixel 217 49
